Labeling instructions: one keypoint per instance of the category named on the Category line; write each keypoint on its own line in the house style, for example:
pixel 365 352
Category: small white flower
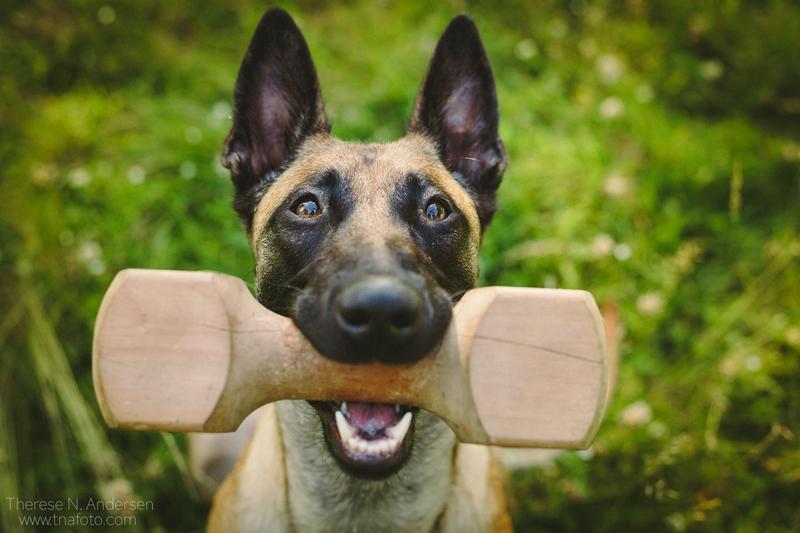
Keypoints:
pixel 90 253
pixel 137 174
pixel 526 49
pixel 753 363
pixel 79 177
pixel 118 489
pixel 622 252
pixel 610 68
pixel 650 303
pixel 712 69
pixel 637 414
pixel 611 107
pixel 89 250
pixel 221 111
pixel 602 245
pixel 616 185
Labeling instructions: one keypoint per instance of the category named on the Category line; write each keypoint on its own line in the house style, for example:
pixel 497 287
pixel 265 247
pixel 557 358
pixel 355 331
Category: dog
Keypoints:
pixel 366 247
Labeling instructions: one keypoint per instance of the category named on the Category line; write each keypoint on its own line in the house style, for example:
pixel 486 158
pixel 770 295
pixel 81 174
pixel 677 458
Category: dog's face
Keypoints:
pixel 365 246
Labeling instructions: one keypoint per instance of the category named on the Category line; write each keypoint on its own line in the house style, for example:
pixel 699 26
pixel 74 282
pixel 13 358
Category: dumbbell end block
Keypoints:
pixel 161 349
pixel 536 361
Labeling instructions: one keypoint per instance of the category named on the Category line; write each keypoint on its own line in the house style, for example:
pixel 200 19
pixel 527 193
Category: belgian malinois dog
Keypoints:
pixel 366 247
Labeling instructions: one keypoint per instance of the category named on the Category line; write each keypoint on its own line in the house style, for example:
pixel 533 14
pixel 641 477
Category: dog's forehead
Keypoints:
pixel 373 172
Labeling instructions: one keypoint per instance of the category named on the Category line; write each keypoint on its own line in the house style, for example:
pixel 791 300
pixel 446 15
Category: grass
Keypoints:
pixel 654 160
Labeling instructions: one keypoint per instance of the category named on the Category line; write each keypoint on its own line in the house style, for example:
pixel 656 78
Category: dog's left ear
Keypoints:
pixel 276 106
pixel 457 107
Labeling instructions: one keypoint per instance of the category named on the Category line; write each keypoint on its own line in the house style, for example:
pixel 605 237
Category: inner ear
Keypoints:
pixel 457 108
pixel 276 106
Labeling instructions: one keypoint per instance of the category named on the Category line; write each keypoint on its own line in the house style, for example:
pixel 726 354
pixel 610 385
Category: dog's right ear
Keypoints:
pixel 457 108
pixel 276 105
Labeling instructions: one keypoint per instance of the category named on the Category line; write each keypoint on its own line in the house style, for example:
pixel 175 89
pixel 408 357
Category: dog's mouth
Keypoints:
pixel 367 439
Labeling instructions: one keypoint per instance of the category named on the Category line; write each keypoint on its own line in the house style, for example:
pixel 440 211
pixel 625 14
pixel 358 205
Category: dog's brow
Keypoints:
pixel 328 177
pixel 422 178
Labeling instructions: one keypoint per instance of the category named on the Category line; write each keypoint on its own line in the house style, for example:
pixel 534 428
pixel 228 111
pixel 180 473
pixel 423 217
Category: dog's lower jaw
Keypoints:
pixel 323 497
pixel 286 480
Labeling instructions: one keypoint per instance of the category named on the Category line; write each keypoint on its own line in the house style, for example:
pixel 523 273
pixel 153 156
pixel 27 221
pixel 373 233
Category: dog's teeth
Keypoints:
pixel 397 409
pixel 383 447
pixel 393 444
pixel 346 431
pixel 375 447
pixel 398 432
pixel 387 447
pixel 343 407
pixel 355 444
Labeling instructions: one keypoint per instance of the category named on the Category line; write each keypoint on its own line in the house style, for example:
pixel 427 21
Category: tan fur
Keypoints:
pixel 477 499
pixel 255 497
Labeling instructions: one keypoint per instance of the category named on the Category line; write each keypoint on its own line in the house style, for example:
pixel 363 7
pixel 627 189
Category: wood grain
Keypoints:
pixel 194 351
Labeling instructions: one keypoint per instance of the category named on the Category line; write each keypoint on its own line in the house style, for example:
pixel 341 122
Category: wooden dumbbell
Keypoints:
pixel 194 351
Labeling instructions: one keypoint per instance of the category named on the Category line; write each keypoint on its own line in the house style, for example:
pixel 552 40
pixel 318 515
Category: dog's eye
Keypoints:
pixel 436 210
pixel 307 206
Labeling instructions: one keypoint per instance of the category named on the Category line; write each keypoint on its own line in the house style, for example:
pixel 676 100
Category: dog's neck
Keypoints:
pixel 321 495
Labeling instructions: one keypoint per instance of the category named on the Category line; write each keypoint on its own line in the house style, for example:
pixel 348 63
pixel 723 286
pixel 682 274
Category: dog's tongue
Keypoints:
pixel 371 418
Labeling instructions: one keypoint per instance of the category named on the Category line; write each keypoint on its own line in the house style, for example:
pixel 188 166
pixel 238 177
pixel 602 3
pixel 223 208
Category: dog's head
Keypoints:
pixel 365 246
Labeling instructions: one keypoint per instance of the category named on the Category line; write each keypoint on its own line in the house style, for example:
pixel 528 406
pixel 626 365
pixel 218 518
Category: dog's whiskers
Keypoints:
pixel 280 286
pixel 454 296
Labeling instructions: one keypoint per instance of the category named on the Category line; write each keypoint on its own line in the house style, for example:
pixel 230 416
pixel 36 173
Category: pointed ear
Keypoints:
pixel 457 107
pixel 276 105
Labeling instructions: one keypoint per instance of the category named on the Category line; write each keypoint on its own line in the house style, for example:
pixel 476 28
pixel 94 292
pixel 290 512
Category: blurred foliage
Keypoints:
pixel 655 160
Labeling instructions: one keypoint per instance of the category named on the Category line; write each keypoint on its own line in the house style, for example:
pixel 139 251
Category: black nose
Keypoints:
pixel 381 316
